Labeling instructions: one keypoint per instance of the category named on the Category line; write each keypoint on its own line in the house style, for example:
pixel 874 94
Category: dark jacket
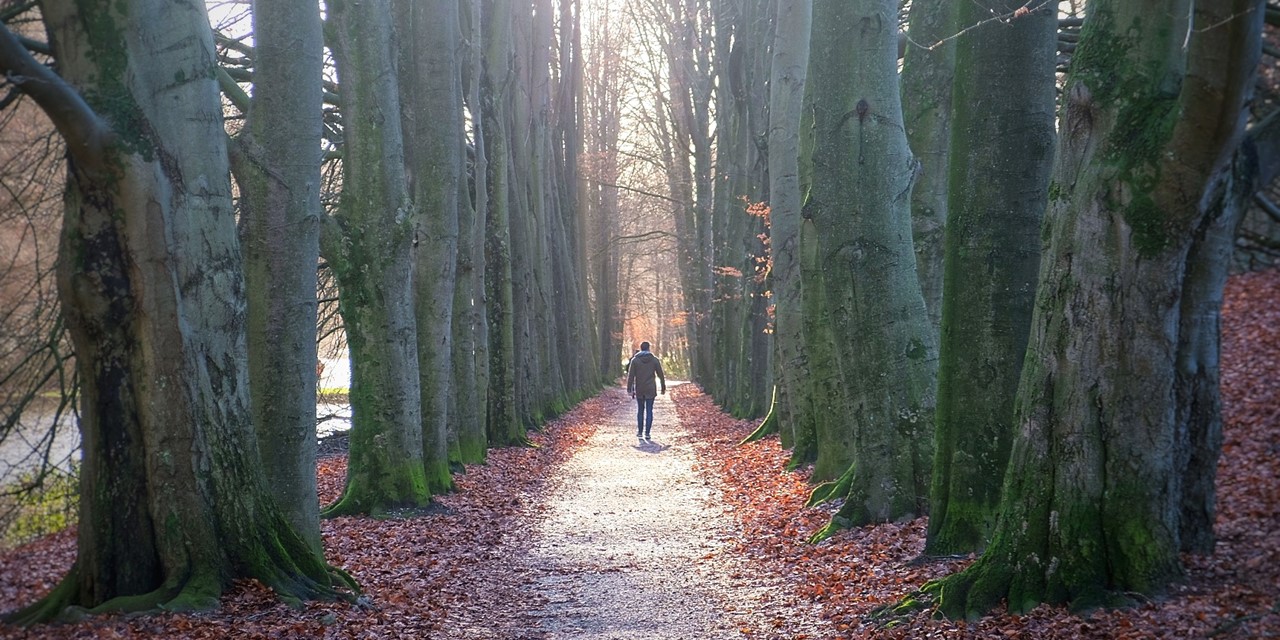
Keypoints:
pixel 640 374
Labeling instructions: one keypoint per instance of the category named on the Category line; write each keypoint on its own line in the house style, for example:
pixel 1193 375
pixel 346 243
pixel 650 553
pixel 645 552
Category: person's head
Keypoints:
pixel 644 346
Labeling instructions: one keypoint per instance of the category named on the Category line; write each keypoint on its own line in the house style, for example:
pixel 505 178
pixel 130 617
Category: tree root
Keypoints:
pixel 769 425
pixel 830 490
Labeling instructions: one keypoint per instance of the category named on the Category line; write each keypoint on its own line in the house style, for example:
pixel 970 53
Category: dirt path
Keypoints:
pixel 633 543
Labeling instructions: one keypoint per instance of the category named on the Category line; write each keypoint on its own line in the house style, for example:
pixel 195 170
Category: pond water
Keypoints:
pixel 37 437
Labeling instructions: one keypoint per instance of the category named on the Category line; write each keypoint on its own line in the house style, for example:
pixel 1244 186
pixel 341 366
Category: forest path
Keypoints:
pixel 634 542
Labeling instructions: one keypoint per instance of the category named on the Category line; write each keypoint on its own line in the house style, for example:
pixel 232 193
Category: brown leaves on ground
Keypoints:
pixel 446 574
pixel 424 577
pixel 1233 593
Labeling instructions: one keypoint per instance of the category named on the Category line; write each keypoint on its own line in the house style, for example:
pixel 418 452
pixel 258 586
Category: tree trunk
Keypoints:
pixel 789 72
pixel 1199 402
pixel 999 189
pixel 873 372
pixel 471 353
pixel 277 166
pixel 927 68
pixel 1092 505
pixel 369 245
pixel 173 501
pixel 431 116
pixel 504 427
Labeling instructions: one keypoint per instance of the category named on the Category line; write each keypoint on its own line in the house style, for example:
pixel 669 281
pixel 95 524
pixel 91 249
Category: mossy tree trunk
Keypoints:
pixel 786 100
pixel 873 371
pixel 1001 156
pixel 277 166
pixel 369 245
pixel 1091 506
pixel 743 33
pixel 927 68
pixel 430 77
pixel 471 328
pixel 174 504
pixel 504 426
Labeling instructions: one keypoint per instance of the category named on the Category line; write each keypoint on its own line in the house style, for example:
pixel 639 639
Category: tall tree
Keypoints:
pixel 277 166
pixel 793 409
pixel 470 326
pixel 872 353
pixel 743 32
pixel 430 79
pixel 1004 82
pixel 927 67
pixel 368 245
pixel 173 500
pixel 602 102
pixel 504 425
pixel 1091 507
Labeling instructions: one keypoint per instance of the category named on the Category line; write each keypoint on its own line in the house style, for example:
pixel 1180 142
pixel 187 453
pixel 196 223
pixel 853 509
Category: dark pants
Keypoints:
pixel 644 416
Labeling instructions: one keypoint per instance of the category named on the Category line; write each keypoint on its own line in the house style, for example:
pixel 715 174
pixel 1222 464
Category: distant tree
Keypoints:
pixel 927 67
pixel 469 404
pixel 743 32
pixel 1092 507
pixel 174 504
pixel 504 425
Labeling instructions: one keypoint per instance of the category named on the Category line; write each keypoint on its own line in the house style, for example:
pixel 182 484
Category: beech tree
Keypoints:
pixel 872 355
pixel 276 160
pixel 928 64
pixel 1154 109
pixel 430 80
pixel 792 409
pixel 1004 82
pixel 368 245
pixel 173 500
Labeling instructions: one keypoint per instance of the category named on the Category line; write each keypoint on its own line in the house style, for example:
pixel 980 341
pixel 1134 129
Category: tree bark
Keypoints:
pixel 1001 156
pixel 173 501
pixel 277 167
pixel 873 370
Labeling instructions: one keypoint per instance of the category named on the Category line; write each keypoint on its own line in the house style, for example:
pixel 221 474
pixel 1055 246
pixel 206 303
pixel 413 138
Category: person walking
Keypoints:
pixel 640 384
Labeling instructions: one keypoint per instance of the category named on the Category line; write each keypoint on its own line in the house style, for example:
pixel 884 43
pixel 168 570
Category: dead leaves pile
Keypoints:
pixel 444 574
pixel 1234 593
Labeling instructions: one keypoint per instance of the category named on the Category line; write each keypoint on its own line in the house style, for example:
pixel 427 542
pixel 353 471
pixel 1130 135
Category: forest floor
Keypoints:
pixel 591 533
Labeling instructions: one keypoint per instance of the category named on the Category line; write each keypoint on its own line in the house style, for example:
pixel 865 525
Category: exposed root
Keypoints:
pixel 769 425
pixel 831 490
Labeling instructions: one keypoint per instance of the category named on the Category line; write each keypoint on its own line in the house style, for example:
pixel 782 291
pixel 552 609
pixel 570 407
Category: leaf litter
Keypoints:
pixel 470 567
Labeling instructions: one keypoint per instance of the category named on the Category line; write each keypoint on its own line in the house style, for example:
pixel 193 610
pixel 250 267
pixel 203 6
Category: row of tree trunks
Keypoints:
pixel 158 303
pixel 1094 496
